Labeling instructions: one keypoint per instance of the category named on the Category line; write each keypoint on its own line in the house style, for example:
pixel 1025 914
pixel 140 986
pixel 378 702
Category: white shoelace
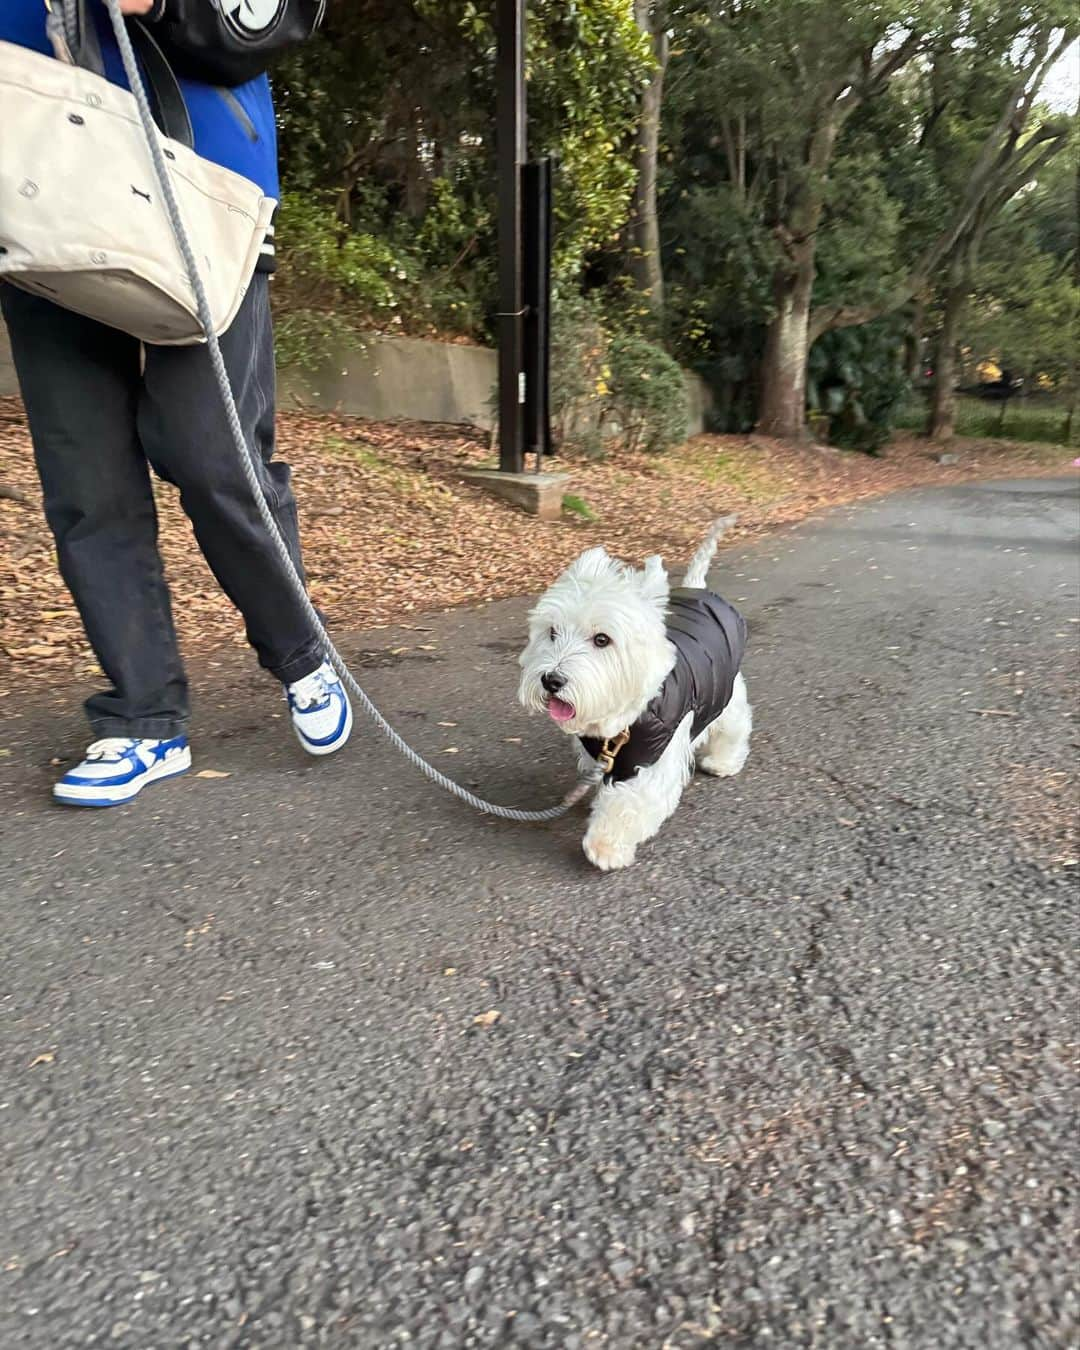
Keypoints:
pixel 310 691
pixel 110 747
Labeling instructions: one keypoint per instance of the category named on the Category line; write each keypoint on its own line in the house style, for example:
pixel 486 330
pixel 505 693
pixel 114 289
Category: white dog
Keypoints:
pixel 647 678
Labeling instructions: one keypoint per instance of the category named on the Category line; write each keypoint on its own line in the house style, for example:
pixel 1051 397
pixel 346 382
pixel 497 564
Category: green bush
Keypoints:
pixel 306 338
pixel 337 280
pixel 579 374
pixel 648 395
pixel 857 383
pixel 323 260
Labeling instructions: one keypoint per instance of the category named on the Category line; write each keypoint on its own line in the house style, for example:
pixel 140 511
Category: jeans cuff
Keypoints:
pixel 139 728
pixel 310 659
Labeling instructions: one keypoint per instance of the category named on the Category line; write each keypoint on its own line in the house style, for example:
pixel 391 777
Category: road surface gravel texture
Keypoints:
pixel 310 1055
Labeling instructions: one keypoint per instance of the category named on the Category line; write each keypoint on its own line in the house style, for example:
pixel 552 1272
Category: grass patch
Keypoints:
pixel 716 467
pixel 1020 420
pixel 578 506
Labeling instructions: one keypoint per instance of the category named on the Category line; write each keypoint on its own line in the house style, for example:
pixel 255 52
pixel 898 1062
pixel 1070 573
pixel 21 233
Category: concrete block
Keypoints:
pixel 540 494
pixel 390 378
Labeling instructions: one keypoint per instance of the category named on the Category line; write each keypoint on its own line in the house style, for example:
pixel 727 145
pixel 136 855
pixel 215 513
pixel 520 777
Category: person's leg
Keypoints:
pixel 186 438
pixel 80 382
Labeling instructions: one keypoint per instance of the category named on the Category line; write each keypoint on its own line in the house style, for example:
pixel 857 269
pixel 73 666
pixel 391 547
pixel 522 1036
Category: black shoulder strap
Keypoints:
pixel 166 99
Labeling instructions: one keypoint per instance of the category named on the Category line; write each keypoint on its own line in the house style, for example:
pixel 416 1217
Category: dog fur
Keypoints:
pixel 609 687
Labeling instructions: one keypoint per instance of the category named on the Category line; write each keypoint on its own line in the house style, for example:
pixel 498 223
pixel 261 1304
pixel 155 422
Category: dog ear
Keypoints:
pixel 594 563
pixel 653 580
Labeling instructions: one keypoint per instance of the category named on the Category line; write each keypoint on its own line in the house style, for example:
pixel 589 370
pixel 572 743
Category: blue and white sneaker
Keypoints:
pixel 321 713
pixel 118 768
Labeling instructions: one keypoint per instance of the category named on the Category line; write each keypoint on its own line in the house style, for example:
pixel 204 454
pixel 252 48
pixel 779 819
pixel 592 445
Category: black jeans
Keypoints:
pixel 103 411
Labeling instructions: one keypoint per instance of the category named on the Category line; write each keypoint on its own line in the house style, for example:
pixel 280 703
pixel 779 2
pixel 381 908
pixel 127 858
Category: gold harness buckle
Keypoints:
pixel 610 748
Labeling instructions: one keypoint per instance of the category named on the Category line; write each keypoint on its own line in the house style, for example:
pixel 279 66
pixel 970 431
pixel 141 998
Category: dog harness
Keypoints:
pixel 709 637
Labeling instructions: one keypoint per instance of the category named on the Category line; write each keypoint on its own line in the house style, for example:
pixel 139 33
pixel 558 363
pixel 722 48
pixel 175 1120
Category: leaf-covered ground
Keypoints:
pixel 390 528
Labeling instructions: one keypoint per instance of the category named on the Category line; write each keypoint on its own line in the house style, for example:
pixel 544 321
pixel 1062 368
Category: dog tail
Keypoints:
pixel 698 568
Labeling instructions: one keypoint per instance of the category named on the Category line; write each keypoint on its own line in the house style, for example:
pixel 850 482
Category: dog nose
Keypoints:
pixel 552 681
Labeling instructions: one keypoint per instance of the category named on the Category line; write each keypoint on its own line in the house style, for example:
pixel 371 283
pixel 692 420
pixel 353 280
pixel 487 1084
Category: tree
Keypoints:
pixel 646 267
pixel 799 70
pixel 1005 161
pixel 1023 148
pixel 814 118
pixel 782 79
pixel 1023 310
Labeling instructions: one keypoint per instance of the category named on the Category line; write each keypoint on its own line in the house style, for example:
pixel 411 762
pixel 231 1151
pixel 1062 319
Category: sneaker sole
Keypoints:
pixel 95 796
pixel 346 732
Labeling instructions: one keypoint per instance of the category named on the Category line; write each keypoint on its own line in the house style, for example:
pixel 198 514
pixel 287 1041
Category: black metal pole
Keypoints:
pixel 510 117
pixel 536 252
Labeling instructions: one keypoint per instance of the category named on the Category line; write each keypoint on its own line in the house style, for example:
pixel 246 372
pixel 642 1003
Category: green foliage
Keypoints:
pixel 333 284
pixel 1031 420
pixel 307 338
pixel 720 295
pixel 1024 313
pixel 605 387
pixel 648 394
pixel 389 218
pixel 412 165
pixel 587 64
pixel 337 281
pixel 322 258
pixel 578 506
pixel 857 383
pixel 859 257
pixel 747 89
pixel 579 372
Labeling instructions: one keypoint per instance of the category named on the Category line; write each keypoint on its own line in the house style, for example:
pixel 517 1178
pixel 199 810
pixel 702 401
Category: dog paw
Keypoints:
pixel 607 853
pixel 723 765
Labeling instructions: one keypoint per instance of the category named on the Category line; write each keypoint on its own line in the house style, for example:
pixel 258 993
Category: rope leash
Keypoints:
pixel 246 458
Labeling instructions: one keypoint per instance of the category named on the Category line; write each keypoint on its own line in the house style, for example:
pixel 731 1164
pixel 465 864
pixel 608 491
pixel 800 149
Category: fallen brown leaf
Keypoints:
pixel 487 1019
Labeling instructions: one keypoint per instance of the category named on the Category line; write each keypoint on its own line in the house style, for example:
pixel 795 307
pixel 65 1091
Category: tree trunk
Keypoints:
pixel 782 410
pixel 941 426
pixel 645 265
pixel 782 405
pixel 913 340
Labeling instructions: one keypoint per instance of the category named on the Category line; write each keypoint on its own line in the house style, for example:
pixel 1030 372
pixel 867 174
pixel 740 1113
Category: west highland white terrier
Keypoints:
pixel 647 678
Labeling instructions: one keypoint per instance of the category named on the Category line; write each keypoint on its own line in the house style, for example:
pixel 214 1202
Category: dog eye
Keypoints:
pixel 601 640
pixel 552 634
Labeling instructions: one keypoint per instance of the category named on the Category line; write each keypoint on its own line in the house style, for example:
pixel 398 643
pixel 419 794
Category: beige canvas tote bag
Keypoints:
pixel 81 217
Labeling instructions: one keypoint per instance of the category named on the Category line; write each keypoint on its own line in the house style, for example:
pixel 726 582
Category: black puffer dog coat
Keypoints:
pixel 709 637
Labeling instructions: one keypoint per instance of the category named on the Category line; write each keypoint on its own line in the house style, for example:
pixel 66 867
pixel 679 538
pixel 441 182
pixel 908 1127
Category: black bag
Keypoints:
pixel 228 42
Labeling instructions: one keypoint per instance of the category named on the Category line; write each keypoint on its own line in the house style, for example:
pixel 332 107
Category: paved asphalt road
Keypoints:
pixel 799 1078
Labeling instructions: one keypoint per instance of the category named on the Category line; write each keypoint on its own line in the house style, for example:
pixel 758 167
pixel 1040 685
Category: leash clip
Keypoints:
pixel 610 748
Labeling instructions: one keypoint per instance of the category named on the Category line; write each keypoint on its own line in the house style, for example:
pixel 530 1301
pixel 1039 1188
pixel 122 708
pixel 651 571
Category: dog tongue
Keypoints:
pixel 560 711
